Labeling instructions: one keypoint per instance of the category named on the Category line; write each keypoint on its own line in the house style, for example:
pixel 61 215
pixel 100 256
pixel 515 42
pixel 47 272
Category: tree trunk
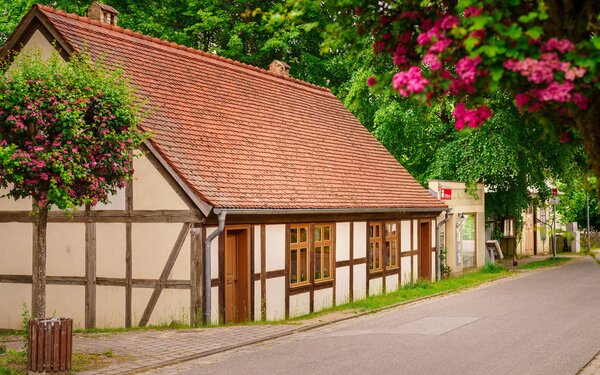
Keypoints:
pixel 38 290
pixel 588 124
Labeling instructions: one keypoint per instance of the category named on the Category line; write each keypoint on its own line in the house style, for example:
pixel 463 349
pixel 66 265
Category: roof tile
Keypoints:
pixel 243 137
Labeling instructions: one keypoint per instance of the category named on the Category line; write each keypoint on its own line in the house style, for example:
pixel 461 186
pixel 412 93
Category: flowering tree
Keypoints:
pixel 545 53
pixel 67 131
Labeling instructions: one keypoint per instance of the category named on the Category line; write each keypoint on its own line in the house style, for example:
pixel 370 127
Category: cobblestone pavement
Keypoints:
pixel 137 351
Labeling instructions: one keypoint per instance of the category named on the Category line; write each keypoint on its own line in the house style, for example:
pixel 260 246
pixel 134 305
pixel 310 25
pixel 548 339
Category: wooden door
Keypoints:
pixel 237 271
pixel 425 251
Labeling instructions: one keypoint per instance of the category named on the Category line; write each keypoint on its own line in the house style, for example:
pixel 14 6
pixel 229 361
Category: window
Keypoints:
pixel 391 244
pixel 509 227
pixel 375 247
pixel 299 256
pixel 323 252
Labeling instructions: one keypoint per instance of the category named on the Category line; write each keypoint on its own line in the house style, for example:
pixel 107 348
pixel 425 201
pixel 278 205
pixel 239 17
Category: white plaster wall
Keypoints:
pixel 214 253
pixel 391 283
pixel 66 301
pixel 405 236
pixel 15 249
pixel 66 249
pixel 151 191
pixel 257 301
pixel 13 296
pixel 433 237
pixel 375 286
pixel 276 298
pixel 359 287
pixel 433 269
pixel 299 304
pixel 406 270
pixel 257 247
pixel 214 305
pixel 275 247
pixel 116 202
pixel 323 299
pixel 152 245
pixel 110 250
pixel 110 306
pixel 9 204
pixel 172 305
pixel 342 241
pixel 342 285
pixel 415 243
pixel 39 43
pixel 415 267
pixel 360 241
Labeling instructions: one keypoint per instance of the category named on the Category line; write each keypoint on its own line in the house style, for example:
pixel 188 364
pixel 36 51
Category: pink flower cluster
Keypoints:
pixel 409 82
pixel 473 118
pixel 466 68
pixel 561 46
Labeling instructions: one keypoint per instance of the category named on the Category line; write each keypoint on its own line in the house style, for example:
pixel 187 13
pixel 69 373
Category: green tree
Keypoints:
pixel 67 132
pixel 572 207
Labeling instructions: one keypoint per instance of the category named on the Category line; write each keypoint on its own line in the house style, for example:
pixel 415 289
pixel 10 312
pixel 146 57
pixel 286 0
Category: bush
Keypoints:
pixel 492 268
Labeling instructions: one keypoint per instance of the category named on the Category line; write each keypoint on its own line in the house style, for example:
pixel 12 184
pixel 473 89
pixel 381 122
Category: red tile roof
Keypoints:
pixel 242 137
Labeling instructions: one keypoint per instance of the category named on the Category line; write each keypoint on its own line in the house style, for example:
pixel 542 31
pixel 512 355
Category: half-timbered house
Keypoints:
pixel 263 185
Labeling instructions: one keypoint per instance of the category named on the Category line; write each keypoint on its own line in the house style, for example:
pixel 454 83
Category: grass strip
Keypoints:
pixel 419 289
pixel 549 262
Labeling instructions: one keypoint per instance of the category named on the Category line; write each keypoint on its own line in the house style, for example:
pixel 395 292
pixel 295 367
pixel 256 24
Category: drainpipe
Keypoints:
pixel 438 267
pixel 207 269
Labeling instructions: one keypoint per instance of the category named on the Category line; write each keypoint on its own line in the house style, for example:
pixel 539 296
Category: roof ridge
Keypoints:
pixel 176 46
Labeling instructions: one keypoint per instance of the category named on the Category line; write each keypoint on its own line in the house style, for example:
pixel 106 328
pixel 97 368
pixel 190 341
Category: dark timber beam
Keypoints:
pixel 108 216
pixel 196 279
pixel 160 285
pixel 90 274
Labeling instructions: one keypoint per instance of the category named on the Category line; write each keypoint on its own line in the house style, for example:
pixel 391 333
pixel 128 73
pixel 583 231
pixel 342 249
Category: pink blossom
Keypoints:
pixel 432 61
pixel 522 100
pixel 579 100
pixel 473 118
pixel 565 137
pixel 400 55
pixel 449 22
pixel 575 72
pixel 558 92
pixel 466 68
pixel 562 46
pixel 537 71
pixel 371 81
pixel 440 46
pixel 409 82
pixel 472 11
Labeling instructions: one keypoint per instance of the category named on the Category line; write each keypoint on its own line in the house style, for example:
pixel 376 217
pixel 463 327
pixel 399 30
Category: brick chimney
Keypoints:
pixel 280 68
pixel 103 13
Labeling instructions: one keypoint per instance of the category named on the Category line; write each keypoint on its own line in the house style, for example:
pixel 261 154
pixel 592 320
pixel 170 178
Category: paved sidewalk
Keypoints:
pixel 140 350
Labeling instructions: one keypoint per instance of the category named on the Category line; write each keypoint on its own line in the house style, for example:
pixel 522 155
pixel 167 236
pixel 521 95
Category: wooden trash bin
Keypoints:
pixel 50 345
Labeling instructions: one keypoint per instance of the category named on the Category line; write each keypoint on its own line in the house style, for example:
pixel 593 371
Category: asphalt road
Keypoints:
pixel 541 323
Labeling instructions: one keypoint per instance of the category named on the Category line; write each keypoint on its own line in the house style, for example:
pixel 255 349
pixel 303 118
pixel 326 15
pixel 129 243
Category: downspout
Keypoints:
pixel 438 267
pixel 207 265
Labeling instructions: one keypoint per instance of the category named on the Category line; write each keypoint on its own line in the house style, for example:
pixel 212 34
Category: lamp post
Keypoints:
pixel 587 209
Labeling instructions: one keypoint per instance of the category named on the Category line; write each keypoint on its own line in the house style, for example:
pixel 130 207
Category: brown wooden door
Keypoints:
pixel 425 251
pixel 237 283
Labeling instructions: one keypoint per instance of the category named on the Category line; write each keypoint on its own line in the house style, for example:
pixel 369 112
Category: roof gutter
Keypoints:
pixel 438 266
pixel 207 264
pixel 289 211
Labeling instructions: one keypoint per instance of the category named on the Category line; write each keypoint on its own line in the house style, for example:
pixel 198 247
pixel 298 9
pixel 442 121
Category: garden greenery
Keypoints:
pixel 67 130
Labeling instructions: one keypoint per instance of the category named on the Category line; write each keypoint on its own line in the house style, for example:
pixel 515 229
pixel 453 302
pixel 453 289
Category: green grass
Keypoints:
pixel 420 289
pixel 549 262
pixel 15 362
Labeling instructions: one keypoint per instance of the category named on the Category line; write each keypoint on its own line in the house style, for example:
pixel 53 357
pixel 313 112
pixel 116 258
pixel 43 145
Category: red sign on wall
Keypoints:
pixel 446 194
